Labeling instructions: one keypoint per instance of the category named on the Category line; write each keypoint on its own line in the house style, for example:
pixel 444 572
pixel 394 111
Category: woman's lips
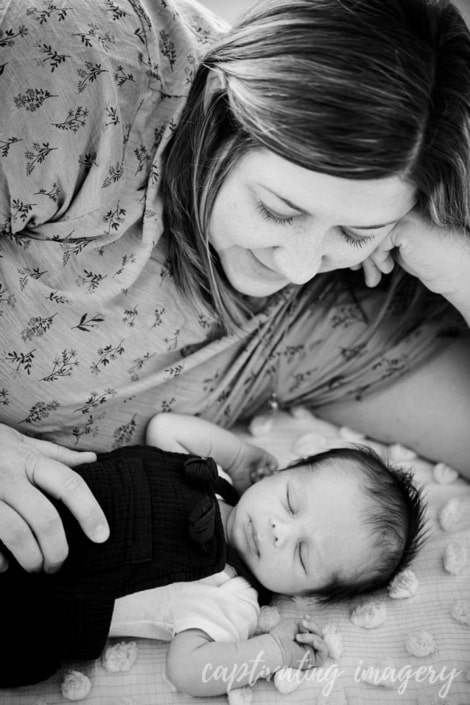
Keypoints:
pixel 266 271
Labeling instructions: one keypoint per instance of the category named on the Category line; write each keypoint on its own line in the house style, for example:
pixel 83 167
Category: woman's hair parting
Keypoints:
pixel 394 511
pixel 359 89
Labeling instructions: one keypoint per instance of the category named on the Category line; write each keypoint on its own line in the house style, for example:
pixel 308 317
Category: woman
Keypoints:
pixel 172 229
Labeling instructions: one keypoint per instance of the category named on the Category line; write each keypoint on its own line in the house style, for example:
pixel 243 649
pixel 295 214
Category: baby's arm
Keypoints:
pixel 198 666
pixel 182 433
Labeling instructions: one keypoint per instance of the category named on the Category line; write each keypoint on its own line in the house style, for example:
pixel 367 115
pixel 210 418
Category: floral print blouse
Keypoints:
pixel 94 336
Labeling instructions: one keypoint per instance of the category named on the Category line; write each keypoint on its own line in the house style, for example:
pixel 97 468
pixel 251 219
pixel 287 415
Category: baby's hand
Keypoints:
pixel 300 642
pixel 310 635
pixel 251 464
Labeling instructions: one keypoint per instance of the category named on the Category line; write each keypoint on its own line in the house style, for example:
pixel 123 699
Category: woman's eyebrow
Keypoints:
pixel 285 200
pixel 371 227
pixel 304 212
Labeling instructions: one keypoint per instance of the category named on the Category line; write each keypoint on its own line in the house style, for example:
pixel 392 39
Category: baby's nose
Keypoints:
pixel 279 532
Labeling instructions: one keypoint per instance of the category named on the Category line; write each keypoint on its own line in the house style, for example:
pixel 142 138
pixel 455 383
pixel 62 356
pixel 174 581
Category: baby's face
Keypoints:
pixel 297 529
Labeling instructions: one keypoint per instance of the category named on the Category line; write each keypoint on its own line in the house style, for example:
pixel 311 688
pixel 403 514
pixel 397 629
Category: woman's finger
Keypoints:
pixel 372 274
pixel 68 457
pixel 18 537
pixel 64 484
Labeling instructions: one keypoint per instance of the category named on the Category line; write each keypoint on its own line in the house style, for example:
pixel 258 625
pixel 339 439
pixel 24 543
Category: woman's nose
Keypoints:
pixel 300 259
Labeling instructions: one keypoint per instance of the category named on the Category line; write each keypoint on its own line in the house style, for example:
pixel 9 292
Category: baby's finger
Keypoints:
pixel 310 626
pixel 308 639
pixel 317 644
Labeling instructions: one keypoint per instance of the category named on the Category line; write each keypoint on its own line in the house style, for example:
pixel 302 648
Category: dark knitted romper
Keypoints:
pixel 165 527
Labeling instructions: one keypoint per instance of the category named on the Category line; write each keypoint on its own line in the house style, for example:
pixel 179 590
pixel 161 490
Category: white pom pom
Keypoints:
pixel 334 641
pixel 349 434
pixel 310 444
pixel 398 452
pixel 261 425
pixel 301 413
pixel 455 558
pixel 119 657
pixel 369 615
pixel 450 515
pixel 443 474
pixel 286 680
pixel 379 673
pixel 240 696
pixel 461 612
pixel 403 585
pixel 267 619
pixel 420 643
pixel 75 685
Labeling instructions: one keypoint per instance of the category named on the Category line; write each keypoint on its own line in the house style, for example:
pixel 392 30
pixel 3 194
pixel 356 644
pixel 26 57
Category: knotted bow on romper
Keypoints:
pixel 165 527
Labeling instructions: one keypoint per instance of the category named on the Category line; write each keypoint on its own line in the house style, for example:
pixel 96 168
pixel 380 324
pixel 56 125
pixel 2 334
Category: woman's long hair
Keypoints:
pixel 358 89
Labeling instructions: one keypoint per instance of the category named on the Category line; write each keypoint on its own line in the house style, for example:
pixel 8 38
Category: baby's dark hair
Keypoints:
pixel 395 513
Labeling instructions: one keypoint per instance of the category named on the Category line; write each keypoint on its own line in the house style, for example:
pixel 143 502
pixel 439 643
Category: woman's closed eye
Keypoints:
pixel 267 214
pixel 355 240
pixel 273 217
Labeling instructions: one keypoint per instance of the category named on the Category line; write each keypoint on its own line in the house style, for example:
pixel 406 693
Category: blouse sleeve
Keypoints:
pixel 71 83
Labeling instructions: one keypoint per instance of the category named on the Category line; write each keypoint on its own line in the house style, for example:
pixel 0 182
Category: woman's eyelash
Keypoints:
pixel 288 220
pixel 354 241
pixel 268 215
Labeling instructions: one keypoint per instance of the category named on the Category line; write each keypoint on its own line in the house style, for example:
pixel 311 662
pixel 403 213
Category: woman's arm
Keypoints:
pixel 190 434
pixel 198 666
pixel 427 410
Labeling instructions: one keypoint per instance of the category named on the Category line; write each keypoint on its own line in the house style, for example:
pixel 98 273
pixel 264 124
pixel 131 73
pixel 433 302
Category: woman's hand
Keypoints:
pixel 301 643
pixel 30 526
pixel 438 256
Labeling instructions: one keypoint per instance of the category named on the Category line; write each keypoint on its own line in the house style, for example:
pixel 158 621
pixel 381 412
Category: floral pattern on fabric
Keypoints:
pixel 94 336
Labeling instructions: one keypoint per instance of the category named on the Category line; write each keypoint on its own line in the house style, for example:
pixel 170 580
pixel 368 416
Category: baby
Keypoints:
pixel 183 563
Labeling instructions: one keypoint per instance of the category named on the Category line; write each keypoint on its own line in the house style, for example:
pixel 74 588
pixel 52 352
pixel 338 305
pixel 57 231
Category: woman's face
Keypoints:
pixel 275 223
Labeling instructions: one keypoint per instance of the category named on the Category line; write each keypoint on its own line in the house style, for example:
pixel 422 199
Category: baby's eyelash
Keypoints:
pixel 289 505
pixel 302 562
pixel 268 215
pixel 354 241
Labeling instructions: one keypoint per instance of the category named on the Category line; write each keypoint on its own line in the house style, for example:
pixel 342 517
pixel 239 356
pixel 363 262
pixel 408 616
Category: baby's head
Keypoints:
pixel 334 525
